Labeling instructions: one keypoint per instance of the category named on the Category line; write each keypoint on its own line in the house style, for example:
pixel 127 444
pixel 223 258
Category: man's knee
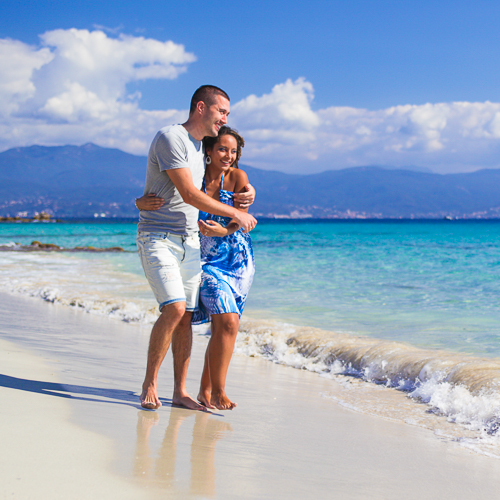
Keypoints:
pixel 185 321
pixel 174 311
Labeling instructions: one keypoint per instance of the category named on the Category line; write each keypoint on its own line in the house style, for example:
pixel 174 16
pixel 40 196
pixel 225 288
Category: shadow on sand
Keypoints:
pixel 114 396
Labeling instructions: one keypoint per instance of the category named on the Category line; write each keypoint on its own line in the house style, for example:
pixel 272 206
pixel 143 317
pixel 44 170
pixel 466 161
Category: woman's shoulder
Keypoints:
pixel 237 179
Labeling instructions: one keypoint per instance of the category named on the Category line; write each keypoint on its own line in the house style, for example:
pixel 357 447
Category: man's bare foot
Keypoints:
pixel 149 398
pixel 187 402
pixel 222 402
pixel 204 399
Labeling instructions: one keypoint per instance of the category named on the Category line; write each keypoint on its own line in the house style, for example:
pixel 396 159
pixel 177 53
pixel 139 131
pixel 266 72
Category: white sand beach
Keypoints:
pixel 71 426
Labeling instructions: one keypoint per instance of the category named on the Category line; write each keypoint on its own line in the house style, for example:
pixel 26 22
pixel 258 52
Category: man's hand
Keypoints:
pixel 149 202
pixel 245 199
pixel 245 220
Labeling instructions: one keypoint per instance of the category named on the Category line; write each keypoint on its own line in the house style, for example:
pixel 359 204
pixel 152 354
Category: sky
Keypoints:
pixel 314 86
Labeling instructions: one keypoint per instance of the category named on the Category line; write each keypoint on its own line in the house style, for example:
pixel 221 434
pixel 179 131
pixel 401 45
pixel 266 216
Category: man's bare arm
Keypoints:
pixel 183 181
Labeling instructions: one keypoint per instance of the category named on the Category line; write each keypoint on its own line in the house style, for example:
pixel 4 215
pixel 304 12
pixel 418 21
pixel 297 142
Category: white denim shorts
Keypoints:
pixel 172 266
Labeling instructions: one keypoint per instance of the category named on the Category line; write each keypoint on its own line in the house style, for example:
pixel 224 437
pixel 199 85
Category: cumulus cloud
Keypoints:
pixel 288 106
pixel 443 136
pixel 285 133
pixel 18 61
pixel 72 89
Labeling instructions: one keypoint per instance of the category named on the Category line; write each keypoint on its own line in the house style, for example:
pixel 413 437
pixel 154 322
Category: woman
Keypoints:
pixel 228 264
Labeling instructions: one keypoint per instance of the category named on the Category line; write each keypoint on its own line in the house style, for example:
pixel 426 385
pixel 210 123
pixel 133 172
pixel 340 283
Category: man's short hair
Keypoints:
pixel 207 94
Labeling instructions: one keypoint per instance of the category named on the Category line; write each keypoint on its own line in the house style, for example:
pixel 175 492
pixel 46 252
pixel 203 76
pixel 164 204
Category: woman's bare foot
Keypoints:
pixel 186 401
pixel 222 402
pixel 204 399
pixel 149 398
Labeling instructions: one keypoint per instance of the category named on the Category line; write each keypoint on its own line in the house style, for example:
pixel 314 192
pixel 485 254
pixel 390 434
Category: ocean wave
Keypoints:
pixel 122 310
pixel 463 389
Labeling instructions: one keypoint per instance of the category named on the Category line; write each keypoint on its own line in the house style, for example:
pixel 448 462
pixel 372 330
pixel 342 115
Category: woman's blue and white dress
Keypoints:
pixel 228 267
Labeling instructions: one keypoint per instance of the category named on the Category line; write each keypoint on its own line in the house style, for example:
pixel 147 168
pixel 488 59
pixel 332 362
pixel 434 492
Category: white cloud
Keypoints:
pixel 103 66
pixel 78 104
pixel 287 106
pixel 18 61
pixel 444 137
pixel 441 136
pixel 72 89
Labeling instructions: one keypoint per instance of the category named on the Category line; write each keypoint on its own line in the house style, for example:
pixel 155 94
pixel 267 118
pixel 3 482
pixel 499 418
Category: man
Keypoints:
pixel 168 239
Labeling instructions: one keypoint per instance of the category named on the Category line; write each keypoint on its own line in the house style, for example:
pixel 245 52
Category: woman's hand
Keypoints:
pixel 149 202
pixel 212 228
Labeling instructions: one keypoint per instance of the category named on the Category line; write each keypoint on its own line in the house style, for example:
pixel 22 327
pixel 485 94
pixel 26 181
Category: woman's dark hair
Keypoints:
pixel 210 142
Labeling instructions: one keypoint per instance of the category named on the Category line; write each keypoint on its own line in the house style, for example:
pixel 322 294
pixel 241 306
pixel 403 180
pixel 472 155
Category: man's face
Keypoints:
pixel 215 116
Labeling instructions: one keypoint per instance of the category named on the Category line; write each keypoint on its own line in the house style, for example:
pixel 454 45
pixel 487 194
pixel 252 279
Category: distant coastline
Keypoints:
pixel 37 217
pixel 81 182
pixel 261 218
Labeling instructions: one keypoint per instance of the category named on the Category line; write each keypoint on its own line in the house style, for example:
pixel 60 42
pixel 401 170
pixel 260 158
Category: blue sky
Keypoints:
pixel 314 85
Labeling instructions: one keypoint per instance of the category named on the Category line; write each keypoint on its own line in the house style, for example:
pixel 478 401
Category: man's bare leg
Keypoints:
pixel 205 393
pixel 161 336
pixel 224 331
pixel 182 341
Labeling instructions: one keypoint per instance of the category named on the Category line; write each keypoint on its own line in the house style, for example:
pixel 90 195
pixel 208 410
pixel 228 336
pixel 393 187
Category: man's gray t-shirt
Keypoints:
pixel 172 148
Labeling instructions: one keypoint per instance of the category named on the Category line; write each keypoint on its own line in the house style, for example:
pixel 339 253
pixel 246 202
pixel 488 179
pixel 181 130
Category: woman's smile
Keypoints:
pixel 224 152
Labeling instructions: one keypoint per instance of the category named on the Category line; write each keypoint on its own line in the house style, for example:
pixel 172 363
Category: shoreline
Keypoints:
pixel 288 437
pixel 442 391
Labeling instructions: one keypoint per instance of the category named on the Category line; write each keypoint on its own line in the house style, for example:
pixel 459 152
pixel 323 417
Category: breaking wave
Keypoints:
pixel 464 389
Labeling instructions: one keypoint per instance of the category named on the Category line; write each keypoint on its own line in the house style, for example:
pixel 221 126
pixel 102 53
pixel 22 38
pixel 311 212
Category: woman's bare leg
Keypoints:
pixel 220 350
pixel 205 386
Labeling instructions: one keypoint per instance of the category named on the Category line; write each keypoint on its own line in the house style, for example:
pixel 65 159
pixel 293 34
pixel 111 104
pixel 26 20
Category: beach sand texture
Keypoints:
pixel 71 426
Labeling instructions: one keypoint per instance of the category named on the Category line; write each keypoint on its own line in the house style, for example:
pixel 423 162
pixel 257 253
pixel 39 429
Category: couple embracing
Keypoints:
pixel 185 202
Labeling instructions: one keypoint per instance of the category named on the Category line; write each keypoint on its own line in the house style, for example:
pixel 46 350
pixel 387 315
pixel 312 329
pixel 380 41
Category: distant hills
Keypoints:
pixel 378 193
pixel 70 181
pixel 88 181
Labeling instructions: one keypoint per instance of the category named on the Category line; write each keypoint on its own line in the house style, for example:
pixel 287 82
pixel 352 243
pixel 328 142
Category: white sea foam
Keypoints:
pixel 91 285
pixel 462 389
pixel 11 245
pixel 122 310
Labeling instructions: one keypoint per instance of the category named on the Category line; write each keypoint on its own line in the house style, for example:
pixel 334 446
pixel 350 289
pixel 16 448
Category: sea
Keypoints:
pixel 404 315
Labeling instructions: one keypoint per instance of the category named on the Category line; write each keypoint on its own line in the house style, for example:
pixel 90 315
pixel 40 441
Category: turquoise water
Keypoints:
pixel 70 235
pixel 429 283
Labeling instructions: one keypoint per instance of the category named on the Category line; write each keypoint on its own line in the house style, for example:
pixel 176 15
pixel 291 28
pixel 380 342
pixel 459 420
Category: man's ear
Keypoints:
pixel 200 107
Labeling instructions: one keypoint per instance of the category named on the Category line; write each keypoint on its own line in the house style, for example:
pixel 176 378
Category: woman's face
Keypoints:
pixel 224 152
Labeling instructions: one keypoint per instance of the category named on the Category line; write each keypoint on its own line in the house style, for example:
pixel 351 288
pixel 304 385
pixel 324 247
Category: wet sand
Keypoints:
pixel 71 426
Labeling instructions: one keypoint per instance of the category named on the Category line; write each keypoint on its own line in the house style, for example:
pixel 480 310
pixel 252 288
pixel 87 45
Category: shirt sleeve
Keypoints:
pixel 171 152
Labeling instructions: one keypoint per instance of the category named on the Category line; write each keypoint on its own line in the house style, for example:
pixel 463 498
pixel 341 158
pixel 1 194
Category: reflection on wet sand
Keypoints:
pixel 160 470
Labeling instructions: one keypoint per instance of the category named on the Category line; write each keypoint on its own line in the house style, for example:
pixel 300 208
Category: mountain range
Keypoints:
pixel 88 181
